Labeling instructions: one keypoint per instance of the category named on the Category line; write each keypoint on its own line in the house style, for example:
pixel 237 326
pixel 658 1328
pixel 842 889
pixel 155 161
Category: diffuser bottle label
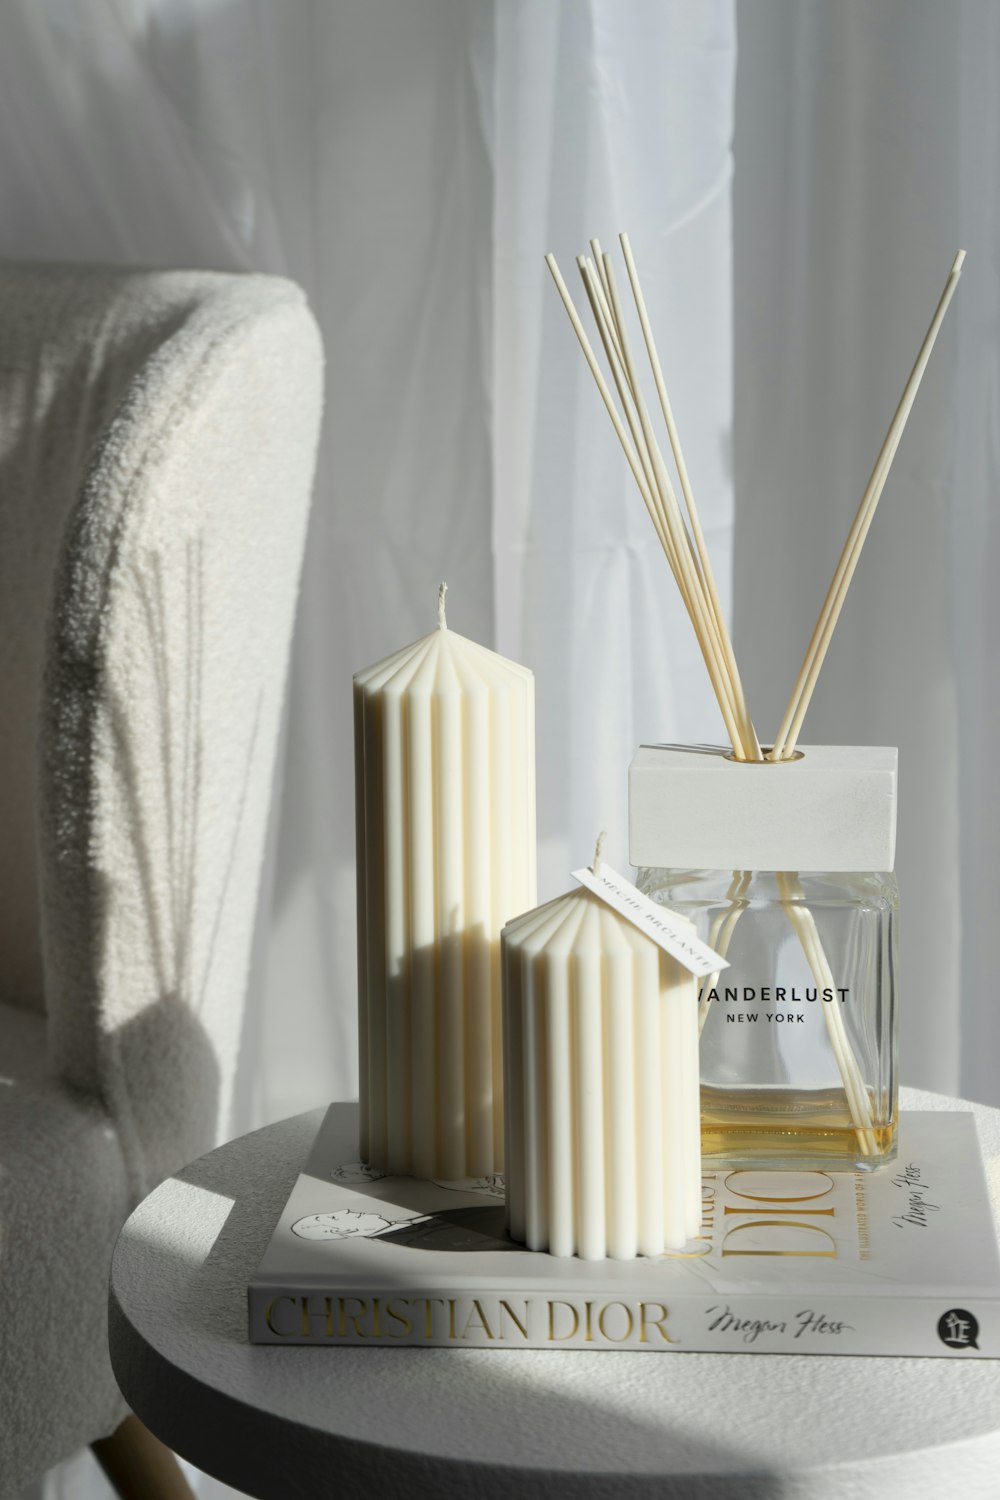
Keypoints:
pixel 673 933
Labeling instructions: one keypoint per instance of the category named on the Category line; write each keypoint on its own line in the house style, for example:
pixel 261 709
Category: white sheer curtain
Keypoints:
pixel 595 102
pixel 463 438
pixel 867 151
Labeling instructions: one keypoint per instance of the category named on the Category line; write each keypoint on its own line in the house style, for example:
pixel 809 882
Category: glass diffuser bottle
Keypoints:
pixel 798 1049
pixel 785 868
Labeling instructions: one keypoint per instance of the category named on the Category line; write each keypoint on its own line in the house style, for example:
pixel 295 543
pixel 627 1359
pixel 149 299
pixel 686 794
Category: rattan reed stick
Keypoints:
pixel 746 726
pixel 788 732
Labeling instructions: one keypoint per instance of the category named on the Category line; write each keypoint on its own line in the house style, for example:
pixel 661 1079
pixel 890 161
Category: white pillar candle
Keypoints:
pixel 603 1148
pixel 445 807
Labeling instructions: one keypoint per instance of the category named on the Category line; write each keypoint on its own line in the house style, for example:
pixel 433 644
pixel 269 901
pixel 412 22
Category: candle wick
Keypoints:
pixel 442 622
pixel 595 868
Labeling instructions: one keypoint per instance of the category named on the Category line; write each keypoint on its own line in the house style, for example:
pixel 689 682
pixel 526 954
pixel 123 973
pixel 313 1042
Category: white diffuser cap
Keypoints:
pixel 693 807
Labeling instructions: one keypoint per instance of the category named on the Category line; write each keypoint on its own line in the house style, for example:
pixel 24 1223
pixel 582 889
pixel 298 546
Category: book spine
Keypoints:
pixel 532 1319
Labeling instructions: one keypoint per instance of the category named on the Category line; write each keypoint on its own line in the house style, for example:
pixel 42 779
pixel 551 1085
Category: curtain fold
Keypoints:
pixel 594 102
pixel 867 152
pixel 975 544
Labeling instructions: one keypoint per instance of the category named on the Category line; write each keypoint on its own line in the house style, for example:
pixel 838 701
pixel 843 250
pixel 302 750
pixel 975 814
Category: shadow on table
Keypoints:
pixel 383 1451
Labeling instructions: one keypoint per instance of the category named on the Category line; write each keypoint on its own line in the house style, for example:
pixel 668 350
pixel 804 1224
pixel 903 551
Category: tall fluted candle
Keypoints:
pixel 603 1154
pixel 445 805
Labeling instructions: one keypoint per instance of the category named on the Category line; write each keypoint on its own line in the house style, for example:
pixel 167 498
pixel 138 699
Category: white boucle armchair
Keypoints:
pixel 158 433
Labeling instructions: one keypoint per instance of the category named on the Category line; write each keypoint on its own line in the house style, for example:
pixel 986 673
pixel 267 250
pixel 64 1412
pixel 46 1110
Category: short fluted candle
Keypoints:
pixel 602 1153
pixel 445 804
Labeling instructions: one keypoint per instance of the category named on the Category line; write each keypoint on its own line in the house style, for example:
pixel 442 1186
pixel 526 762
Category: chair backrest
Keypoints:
pixel 157 441
pixel 65 362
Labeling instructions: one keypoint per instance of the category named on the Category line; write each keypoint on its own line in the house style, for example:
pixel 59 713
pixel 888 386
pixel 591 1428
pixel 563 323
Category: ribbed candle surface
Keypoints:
pixel 445 806
pixel 603 1152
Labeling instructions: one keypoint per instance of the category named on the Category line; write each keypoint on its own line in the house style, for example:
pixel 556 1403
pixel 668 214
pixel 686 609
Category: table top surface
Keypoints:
pixel 279 1421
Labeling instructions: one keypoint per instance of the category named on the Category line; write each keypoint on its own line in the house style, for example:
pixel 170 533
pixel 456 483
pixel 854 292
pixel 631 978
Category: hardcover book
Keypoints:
pixel 902 1261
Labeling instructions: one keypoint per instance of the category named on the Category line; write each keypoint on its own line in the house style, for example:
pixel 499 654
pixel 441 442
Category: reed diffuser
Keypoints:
pixel 781 855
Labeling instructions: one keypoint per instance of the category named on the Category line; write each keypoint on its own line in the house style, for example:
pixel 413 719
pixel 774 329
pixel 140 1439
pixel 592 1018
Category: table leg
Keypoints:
pixel 139 1466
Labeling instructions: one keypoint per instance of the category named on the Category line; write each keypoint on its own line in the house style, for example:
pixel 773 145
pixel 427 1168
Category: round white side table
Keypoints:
pixel 283 1423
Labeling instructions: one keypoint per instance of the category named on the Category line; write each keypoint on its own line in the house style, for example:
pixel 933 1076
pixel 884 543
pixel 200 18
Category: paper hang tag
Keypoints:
pixel 670 932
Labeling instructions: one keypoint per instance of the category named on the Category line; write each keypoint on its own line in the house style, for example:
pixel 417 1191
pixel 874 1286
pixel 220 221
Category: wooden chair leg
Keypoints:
pixel 139 1466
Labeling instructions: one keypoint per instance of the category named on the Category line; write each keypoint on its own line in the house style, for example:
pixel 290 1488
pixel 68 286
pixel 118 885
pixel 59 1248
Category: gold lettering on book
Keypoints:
pixel 777 1224
pixel 646 1318
pixel 269 1315
pixel 829 1212
pixel 390 1312
pixel 477 1319
pixel 602 1318
pixel 555 1338
pixel 781 1198
pixel 353 1317
pixel 588 1309
pixel 708 1197
pixel 777 1207
pixel 429 1303
pixel 522 1328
